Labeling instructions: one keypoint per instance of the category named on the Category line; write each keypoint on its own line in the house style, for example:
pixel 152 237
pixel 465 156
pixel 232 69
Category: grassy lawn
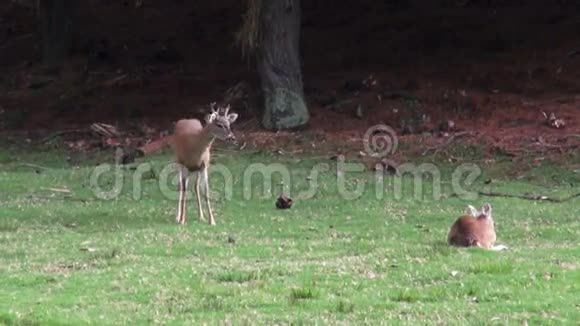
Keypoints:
pixel 74 259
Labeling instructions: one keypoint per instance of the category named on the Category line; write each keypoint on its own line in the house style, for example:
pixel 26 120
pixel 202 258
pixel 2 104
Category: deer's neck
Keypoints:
pixel 205 140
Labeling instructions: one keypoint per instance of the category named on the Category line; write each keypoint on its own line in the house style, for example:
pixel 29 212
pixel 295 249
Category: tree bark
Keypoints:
pixel 279 65
pixel 56 20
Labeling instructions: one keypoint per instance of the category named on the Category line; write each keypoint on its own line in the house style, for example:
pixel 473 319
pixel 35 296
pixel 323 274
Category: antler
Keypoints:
pixel 217 109
pixel 213 105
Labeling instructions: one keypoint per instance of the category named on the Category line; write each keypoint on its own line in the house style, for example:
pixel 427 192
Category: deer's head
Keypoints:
pixel 220 120
pixel 483 215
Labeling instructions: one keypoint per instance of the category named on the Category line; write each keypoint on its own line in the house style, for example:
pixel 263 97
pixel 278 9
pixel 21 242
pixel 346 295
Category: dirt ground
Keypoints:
pixel 493 68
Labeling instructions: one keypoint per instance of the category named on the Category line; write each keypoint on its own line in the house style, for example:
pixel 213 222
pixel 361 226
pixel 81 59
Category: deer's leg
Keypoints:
pixel 181 206
pixel 197 197
pixel 204 174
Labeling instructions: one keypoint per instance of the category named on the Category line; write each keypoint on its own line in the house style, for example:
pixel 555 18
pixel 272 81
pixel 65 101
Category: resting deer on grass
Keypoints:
pixel 192 145
pixel 475 229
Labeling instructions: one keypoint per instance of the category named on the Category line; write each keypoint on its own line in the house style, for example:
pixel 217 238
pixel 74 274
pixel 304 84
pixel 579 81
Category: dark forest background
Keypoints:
pixel 412 64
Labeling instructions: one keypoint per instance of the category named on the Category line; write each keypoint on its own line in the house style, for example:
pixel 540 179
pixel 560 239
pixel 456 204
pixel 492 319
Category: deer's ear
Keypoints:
pixel 471 211
pixel 486 209
pixel 232 117
pixel 209 118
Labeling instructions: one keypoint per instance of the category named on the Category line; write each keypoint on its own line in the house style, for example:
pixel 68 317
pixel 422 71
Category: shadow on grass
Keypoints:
pixel 10 320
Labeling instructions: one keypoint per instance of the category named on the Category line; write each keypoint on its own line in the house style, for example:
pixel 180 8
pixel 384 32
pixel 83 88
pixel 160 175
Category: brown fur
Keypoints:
pixel 473 231
pixel 192 144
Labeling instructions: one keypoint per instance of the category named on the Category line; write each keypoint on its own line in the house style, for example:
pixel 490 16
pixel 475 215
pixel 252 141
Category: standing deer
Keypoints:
pixel 192 146
pixel 476 228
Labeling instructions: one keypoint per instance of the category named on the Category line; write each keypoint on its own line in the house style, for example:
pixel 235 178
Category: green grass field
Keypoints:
pixel 70 258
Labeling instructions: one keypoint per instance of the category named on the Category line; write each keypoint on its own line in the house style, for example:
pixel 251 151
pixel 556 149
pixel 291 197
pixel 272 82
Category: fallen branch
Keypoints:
pixel 34 166
pixel 529 197
pixel 437 149
pixel 66 198
pixel 62 133
pixel 105 130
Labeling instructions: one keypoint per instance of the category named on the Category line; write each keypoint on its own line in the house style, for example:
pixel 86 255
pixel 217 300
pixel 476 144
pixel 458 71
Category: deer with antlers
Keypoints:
pixel 192 145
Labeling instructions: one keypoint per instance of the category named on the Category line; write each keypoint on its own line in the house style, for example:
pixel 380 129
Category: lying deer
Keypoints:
pixel 474 229
pixel 192 145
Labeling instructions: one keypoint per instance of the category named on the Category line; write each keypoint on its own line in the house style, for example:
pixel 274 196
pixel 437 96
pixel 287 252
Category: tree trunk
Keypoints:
pixel 56 18
pixel 279 66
